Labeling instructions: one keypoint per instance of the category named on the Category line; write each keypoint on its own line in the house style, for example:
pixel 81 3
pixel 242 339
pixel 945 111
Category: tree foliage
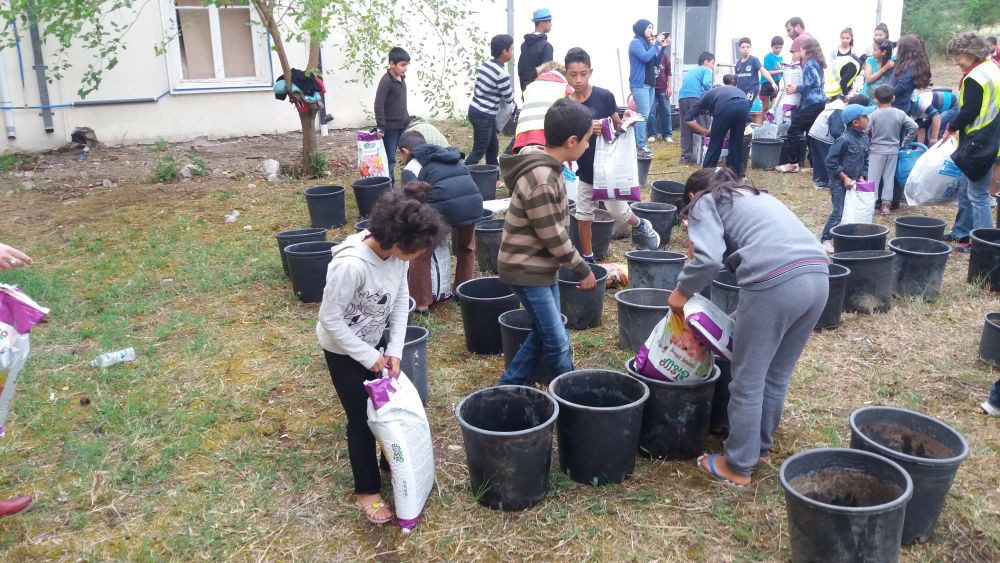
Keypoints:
pixel 937 22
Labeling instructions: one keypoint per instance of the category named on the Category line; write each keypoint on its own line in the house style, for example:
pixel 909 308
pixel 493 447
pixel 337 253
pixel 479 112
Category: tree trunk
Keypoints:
pixel 309 144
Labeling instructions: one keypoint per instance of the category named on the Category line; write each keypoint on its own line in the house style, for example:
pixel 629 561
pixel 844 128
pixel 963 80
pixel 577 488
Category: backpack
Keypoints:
pixel 836 124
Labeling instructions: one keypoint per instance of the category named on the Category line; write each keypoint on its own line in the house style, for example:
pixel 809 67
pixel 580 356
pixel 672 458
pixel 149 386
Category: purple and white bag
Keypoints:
pixel 18 313
pixel 616 170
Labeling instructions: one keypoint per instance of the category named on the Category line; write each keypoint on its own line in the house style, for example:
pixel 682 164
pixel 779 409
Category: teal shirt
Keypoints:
pixel 772 62
pixel 696 82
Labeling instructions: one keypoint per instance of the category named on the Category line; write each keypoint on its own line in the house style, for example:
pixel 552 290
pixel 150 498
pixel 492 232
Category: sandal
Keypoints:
pixel 371 510
pixel 711 471
pixel 884 212
pixel 787 168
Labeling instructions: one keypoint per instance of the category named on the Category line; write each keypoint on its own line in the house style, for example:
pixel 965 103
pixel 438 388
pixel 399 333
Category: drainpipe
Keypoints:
pixel 43 87
pixel 878 13
pixel 6 102
pixel 510 31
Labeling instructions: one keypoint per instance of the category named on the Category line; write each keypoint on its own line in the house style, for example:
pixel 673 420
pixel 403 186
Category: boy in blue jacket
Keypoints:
pixel 846 164
pixel 697 82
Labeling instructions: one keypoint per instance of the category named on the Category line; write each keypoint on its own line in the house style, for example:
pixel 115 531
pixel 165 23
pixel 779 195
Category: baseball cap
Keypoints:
pixel 541 15
pixel 854 111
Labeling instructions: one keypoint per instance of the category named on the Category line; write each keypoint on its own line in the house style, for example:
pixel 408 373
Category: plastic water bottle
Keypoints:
pixel 232 217
pixel 112 358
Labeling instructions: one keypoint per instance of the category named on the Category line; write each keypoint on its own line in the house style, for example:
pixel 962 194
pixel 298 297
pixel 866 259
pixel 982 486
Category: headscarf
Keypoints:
pixel 639 28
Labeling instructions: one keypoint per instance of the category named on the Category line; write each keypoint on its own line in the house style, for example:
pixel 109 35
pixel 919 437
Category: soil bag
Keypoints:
pixel 18 313
pixel 397 419
pixel 441 273
pixel 934 177
pixel 711 325
pixel 673 353
pixel 616 170
pixel 372 159
pixel 859 203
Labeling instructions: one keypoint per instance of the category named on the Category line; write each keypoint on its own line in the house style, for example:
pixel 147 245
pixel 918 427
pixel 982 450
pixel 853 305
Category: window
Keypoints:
pixel 217 44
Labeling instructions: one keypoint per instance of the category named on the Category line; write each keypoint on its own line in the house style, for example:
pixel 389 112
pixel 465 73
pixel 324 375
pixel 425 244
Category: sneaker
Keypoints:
pixel 645 152
pixel 828 246
pixel 644 235
pixel 963 248
pixel 671 140
pixel 990 408
pixel 821 187
pixel 651 140
pixel 589 259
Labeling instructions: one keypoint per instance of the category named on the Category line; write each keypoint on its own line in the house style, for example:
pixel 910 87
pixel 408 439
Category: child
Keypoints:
pixel 455 196
pixel 549 86
pixel 844 67
pixel 827 128
pixel 391 116
pixel 730 113
pixel 750 73
pixel 601 104
pixel 365 293
pixel 661 105
pixel 773 64
pixel 536 241
pixel 991 42
pixel 783 273
pixel 877 68
pixel 912 71
pixel 696 83
pixel 813 102
pixel 846 164
pixel 890 127
pixel 933 112
pixel 493 86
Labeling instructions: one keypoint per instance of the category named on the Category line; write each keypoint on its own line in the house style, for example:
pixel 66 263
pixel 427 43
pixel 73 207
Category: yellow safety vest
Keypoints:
pixel 987 75
pixel 831 85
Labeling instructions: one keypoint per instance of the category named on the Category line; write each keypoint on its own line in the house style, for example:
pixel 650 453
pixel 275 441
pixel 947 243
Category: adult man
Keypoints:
pixel 536 49
pixel 796 31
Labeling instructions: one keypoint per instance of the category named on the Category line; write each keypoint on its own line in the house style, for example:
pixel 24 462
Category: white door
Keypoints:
pixel 692 26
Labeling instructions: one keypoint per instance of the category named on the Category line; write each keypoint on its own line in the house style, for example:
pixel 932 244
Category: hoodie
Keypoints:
pixel 455 194
pixel 640 55
pixel 535 238
pixel 535 51
pixel 364 294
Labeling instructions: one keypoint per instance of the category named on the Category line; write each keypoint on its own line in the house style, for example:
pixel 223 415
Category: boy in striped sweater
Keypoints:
pixel 493 86
pixel 535 239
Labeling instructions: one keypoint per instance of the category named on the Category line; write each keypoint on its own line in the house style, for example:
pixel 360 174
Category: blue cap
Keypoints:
pixel 854 111
pixel 541 15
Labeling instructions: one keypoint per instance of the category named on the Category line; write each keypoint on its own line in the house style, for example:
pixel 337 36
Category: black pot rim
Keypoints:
pixel 978 238
pixel 483 167
pixel 723 285
pixel 653 207
pixel 884 231
pixel 665 256
pixel 621 300
pixel 891 453
pixel 993 319
pixel 595 268
pixel 767 141
pixel 549 422
pixel 945 248
pixel 293 252
pixel 371 182
pixel 714 376
pixel 848 256
pixel 674 183
pixel 504 324
pixel 837 276
pixel 483 225
pixel 894 504
pixel 299 233
pixel 561 401
pixel 903 221
pixel 309 191
pixel 458 291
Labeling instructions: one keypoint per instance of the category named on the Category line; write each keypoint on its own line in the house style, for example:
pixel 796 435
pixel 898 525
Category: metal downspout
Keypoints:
pixel 6 102
pixel 43 87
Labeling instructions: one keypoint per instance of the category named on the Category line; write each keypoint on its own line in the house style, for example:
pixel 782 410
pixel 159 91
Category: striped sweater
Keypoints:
pixel 493 85
pixel 536 233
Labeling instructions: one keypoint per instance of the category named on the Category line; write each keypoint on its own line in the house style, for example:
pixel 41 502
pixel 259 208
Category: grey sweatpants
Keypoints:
pixel 772 327
pixel 883 167
pixel 687 134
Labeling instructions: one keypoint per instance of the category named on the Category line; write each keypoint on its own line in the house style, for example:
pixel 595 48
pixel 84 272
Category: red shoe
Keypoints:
pixel 14 505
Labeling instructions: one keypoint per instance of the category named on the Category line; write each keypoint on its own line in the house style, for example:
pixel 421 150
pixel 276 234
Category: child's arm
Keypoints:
pixel 380 95
pixel 910 129
pixel 707 236
pixel 542 215
pixel 835 161
pixel 706 80
pixel 397 325
pixel 769 78
pixel 342 281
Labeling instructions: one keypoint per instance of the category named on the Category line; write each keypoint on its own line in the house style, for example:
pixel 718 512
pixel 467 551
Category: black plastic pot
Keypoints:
pixel 654 269
pixel 989 343
pixel 859 236
pixel 661 215
pixel 307 263
pixel 676 418
pixel 293 236
pixel 639 311
pixel 326 206
pixel 871 281
pixel 725 293
pixel 409 312
pixel 918 226
pixel 929 450
pixel 644 163
pixel 486 177
pixel 482 300
pixel 414 360
pixel 835 301
pixel 515 326
pixel 765 154
pixel 367 191
pixel 719 423
pixel 601 233
pixel 984 261
pixel 488 235
pixel 507 432
pixel 668 191
pixel 844 505
pixel 920 264
pixel 582 308
pixel 361 225
pixel 600 415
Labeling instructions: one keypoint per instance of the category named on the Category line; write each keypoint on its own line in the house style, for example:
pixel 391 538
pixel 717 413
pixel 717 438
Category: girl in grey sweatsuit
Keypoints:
pixel 782 273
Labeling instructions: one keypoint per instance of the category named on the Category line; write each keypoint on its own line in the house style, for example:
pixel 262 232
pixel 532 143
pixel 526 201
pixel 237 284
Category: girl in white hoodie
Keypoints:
pixel 367 292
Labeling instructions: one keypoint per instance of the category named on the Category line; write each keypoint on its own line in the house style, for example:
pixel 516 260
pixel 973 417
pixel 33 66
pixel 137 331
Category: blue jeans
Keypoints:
pixel 548 338
pixel 837 195
pixel 732 118
pixel 661 108
pixel 484 138
pixel 390 137
pixel 973 206
pixel 643 97
pixel 994 398
pixel 817 153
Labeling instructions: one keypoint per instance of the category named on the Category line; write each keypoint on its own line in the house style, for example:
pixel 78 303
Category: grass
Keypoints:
pixel 224 439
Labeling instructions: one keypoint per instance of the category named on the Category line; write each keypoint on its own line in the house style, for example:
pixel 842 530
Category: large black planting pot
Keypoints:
pixel 515 326
pixel 601 231
pixel 871 281
pixel 486 177
pixel 668 191
pixel 920 264
pixel 844 505
pixel 326 206
pixel 725 292
pixel 307 264
pixel 918 226
pixel 600 415
pixel 720 400
pixel 661 215
pixel 639 311
pixel 676 417
pixel 297 235
pixel 582 308
pixel 655 269
pixel 643 163
pixel 989 343
pixel 834 309
pixel 929 450
pixel 507 432
pixel 414 360
pixel 482 301
pixel 488 236
pixel 859 236
pixel 984 260
pixel 367 191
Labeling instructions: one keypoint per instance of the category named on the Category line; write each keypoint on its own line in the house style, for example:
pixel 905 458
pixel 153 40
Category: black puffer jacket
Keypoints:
pixel 535 51
pixel 455 194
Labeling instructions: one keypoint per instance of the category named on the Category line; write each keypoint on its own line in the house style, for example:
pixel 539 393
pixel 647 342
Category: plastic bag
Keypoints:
pixel 372 160
pixel 934 177
pixel 18 313
pixel 505 115
pixel 616 170
pixel 572 182
pixel 859 203
pixel 673 353
pixel 711 325
pixel 617 274
pixel 397 419
pixel 907 159
pixel 441 273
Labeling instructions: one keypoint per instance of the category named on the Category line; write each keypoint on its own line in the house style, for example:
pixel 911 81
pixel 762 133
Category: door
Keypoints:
pixel 692 25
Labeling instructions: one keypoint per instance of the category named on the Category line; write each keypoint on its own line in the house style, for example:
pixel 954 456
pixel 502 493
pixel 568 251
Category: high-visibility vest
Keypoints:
pixel 831 81
pixel 988 77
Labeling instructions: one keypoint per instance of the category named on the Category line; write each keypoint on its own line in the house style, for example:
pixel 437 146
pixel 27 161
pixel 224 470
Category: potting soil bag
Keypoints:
pixel 673 353
pixel 397 419
pixel 859 203
pixel 441 273
pixel 616 170
pixel 711 325
pixel 372 160
pixel 934 177
pixel 18 313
